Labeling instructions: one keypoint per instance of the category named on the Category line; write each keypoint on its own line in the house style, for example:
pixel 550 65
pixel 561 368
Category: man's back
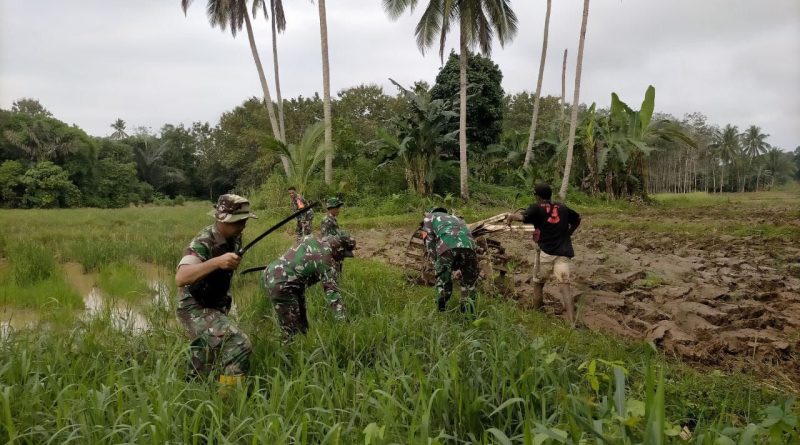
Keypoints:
pixel 555 222
pixel 447 232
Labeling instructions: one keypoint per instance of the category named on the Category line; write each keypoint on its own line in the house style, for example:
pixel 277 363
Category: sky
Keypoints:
pixel 93 61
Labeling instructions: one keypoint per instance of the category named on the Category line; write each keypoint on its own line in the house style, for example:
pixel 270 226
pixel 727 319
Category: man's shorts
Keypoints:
pixel 551 267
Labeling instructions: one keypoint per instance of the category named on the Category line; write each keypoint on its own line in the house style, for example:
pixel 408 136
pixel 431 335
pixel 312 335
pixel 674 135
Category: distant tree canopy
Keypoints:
pixel 485 97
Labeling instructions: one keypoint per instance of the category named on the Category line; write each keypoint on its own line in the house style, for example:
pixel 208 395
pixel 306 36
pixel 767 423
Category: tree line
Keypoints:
pixel 386 143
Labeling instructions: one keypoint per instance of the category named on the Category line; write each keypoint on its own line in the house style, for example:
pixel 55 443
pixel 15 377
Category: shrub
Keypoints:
pixel 47 185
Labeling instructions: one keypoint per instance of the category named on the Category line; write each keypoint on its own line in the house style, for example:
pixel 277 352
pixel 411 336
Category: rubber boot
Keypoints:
pixel 229 383
pixel 442 304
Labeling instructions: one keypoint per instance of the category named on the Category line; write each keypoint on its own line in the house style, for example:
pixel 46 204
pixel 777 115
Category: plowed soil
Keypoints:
pixel 717 301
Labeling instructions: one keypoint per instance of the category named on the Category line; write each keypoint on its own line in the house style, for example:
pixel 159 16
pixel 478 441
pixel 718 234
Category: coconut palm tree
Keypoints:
pixel 531 136
pixel 573 124
pixel 119 130
pixel 478 21
pixel 727 145
pixel 779 165
pixel 754 142
pixel 234 14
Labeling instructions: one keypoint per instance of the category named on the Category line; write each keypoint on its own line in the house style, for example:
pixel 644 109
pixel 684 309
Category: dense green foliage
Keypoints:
pixel 484 98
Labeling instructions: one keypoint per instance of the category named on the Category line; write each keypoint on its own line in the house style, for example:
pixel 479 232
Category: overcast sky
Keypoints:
pixel 92 61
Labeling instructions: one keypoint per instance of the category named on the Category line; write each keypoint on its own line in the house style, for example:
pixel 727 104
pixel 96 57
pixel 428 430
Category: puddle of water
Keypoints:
pixel 123 316
pixel 156 277
pixel 161 293
pixel 12 319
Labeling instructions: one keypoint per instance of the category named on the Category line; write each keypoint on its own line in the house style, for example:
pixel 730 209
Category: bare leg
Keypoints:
pixel 568 300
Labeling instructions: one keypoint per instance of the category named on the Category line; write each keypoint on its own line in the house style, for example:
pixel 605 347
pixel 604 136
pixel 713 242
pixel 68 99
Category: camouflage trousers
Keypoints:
pixel 465 261
pixel 216 341
pixel 289 301
pixel 303 228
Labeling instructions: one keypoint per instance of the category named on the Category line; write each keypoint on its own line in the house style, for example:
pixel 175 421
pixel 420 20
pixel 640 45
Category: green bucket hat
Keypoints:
pixel 333 203
pixel 231 208
pixel 437 210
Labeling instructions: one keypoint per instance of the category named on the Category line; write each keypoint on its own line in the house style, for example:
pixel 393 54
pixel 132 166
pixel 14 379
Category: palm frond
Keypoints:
pixel 396 8
pixel 429 25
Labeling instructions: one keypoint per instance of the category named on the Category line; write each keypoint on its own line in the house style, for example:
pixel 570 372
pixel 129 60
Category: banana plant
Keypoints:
pixel 418 138
pixel 632 136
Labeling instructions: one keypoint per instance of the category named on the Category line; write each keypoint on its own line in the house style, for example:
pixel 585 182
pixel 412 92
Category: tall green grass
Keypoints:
pixel 395 372
pixel 122 280
pixel 32 279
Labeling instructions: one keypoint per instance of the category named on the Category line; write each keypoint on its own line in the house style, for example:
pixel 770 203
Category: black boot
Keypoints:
pixel 442 304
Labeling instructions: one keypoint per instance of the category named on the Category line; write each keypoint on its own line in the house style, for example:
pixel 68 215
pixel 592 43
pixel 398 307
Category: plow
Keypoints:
pixel 492 257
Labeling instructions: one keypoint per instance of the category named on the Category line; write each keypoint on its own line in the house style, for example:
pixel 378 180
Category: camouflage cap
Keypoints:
pixel 231 208
pixel 333 203
pixel 342 245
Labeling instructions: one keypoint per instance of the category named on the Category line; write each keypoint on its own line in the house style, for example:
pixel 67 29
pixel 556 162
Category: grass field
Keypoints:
pixel 395 372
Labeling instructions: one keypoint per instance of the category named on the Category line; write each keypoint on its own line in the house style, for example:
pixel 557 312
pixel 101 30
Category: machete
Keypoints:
pixel 270 230
pixel 277 226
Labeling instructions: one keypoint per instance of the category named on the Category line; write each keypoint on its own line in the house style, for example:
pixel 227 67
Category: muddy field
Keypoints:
pixel 716 301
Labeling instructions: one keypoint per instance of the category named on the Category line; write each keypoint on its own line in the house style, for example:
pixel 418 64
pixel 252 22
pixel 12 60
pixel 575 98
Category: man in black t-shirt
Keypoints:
pixel 554 223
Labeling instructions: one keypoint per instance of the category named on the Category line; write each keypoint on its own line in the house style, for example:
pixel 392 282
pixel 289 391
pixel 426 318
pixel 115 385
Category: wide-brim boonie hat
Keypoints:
pixel 231 208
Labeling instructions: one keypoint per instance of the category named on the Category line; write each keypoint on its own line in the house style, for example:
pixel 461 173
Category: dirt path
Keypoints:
pixel 718 301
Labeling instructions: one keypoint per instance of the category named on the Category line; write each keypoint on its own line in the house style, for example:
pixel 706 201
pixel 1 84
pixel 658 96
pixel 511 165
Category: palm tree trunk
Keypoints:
pixel 575 102
pixel 326 90
pixel 267 97
pixel 529 149
pixel 277 74
pixel 265 87
pixel 462 118
pixel 563 94
pixel 758 178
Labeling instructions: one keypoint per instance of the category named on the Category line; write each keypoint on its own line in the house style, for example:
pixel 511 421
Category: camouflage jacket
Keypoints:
pixel 442 232
pixel 329 226
pixel 300 203
pixel 309 262
pixel 209 243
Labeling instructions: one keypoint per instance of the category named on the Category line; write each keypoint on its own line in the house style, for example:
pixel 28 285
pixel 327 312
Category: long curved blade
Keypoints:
pixel 276 227
pixel 252 269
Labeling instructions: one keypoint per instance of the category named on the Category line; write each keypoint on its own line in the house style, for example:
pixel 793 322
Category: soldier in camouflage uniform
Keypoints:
pixel 303 221
pixel 204 276
pixel 285 280
pixel 329 224
pixel 451 247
